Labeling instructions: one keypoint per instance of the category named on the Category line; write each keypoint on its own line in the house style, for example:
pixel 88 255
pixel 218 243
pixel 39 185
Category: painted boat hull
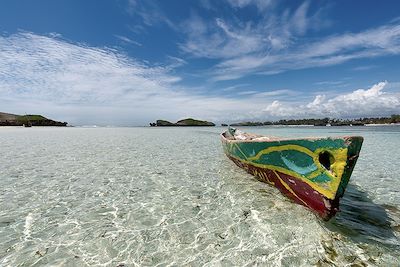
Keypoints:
pixel 313 172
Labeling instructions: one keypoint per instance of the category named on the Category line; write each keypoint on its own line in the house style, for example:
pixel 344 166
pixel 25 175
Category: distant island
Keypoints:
pixel 7 119
pixel 394 119
pixel 185 122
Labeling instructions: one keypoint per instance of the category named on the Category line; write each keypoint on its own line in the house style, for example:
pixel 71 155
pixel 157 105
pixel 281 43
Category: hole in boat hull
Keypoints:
pixel 326 159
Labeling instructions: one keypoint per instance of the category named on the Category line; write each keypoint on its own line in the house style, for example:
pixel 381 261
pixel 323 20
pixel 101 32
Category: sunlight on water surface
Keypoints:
pixel 169 196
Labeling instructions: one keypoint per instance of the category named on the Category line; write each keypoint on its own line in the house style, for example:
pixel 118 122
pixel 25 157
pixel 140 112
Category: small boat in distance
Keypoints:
pixel 27 124
pixel 313 172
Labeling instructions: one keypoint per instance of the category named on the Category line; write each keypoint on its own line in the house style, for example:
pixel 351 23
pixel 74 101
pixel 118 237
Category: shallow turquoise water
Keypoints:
pixel 169 196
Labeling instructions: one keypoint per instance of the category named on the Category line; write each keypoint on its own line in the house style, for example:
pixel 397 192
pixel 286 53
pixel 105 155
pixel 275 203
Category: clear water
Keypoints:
pixel 169 197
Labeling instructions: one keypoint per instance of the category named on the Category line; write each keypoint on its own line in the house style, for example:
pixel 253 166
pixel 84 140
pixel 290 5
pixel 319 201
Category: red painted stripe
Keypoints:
pixel 299 191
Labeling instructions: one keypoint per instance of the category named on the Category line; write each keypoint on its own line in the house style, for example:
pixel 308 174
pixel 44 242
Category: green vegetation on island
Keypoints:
pixel 163 123
pixel 394 119
pixel 185 122
pixel 7 119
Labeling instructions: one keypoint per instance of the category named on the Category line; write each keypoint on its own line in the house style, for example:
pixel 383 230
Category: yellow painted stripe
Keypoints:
pixel 281 148
pixel 302 149
pixel 324 191
pixel 338 167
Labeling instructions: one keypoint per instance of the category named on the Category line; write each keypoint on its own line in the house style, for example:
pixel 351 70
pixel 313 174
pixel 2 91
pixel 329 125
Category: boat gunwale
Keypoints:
pixel 278 139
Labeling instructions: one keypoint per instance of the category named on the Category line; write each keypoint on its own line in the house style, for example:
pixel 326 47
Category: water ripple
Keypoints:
pixel 167 197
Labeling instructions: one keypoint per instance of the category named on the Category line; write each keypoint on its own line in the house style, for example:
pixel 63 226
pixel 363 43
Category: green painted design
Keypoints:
pixel 323 163
pixel 321 178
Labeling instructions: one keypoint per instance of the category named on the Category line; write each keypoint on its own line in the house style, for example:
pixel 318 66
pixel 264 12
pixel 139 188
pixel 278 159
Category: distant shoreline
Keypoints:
pixel 394 119
pixel 8 119
pixel 382 124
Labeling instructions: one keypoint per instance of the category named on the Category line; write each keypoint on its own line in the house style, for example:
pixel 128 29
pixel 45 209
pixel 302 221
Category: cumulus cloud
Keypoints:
pixel 362 102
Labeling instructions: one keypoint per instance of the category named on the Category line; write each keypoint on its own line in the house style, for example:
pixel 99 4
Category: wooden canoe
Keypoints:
pixel 313 172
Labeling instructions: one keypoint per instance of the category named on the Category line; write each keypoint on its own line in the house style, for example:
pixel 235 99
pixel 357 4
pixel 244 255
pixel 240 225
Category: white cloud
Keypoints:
pixel 234 87
pixel 283 92
pixel 234 39
pixel 250 92
pixel 318 100
pixel 329 83
pixel 371 101
pixel 260 4
pixel 176 62
pixel 300 20
pixel 32 64
pixel 363 68
pixel 381 41
pixel 127 40
pixel 362 102
pixel 88 85
pixel 149 14
pixel 218 39
pixel 276 41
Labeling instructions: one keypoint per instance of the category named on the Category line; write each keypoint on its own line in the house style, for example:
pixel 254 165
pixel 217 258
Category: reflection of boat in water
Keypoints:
pixel 313 172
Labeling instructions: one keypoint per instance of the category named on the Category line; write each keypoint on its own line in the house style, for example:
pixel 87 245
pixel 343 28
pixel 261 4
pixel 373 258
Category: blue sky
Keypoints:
pixel 129 62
